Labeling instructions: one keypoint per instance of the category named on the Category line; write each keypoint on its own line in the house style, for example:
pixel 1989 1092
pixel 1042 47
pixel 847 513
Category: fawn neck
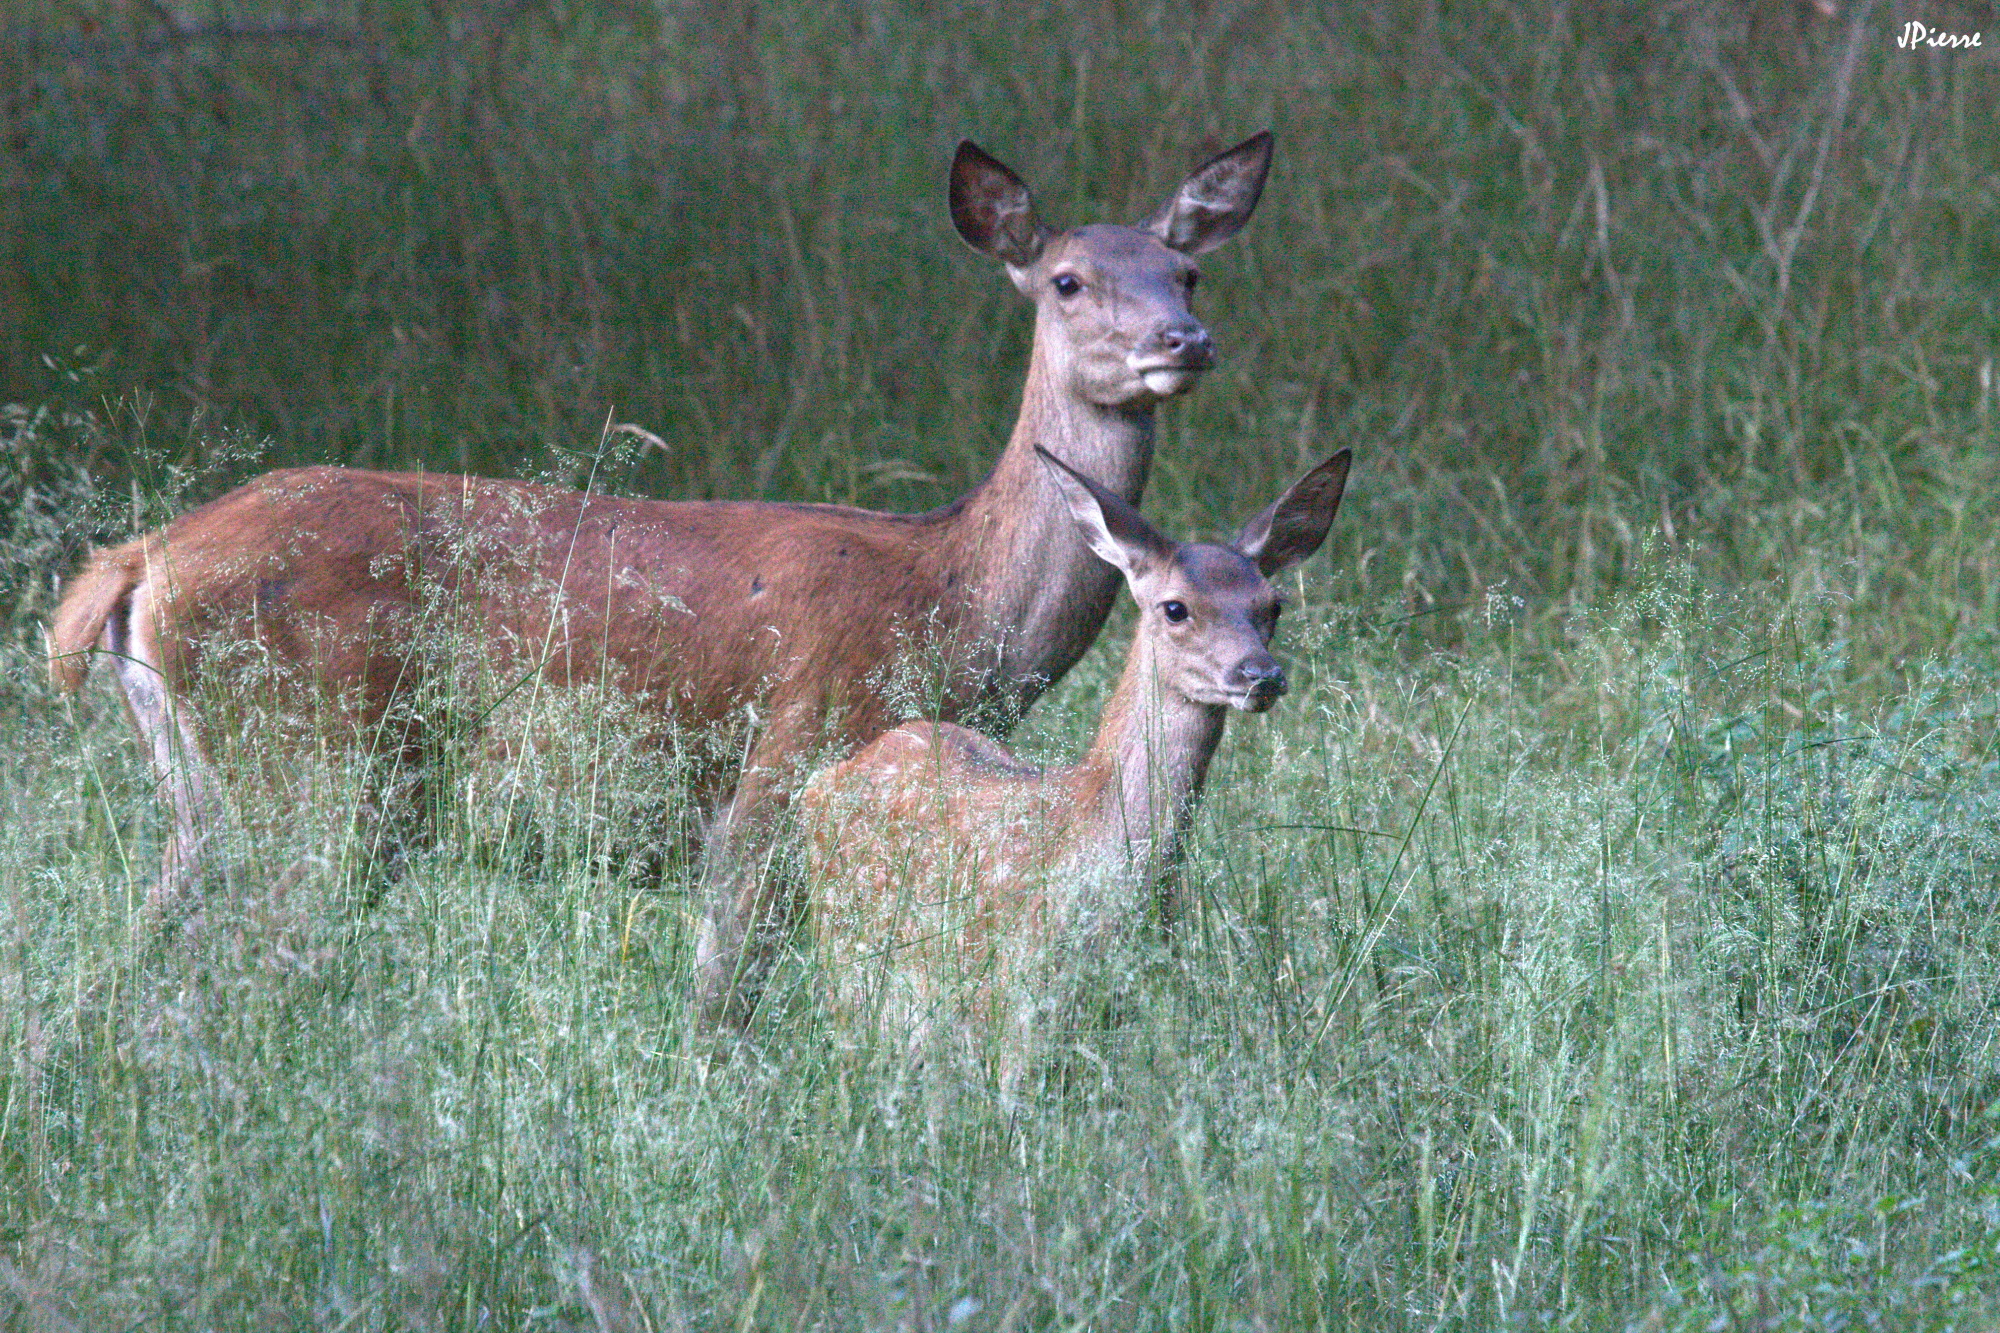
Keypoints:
pixel 1152 749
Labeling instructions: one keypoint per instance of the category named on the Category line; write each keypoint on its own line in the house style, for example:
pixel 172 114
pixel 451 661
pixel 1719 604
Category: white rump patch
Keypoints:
pixel 131 638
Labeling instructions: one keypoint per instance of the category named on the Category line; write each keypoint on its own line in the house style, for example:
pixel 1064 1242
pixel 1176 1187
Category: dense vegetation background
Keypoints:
pixel 1602 934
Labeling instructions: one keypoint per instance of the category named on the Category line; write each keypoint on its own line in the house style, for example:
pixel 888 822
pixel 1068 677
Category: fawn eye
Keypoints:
pixel 1191 279
pixel 1066 284
pixel 1175 612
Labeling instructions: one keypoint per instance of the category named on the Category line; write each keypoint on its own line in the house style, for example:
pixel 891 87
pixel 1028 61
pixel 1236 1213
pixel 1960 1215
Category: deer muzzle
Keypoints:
pixel 1169 361
pixel 1262 681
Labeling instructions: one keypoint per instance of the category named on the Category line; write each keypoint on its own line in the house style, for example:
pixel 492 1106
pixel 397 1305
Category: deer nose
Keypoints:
pixel 1262 679
pixel 1188 344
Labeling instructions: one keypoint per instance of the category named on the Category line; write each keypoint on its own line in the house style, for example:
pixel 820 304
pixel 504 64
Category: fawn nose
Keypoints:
pixel 1263 681
pixel 1187 343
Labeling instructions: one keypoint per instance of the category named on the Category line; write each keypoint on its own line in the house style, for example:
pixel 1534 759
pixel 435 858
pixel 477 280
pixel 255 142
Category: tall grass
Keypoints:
pixel 1602 933
pixel 1632 967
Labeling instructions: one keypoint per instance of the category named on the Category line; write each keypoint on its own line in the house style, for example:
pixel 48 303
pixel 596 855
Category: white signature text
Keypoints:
pixel 1917 34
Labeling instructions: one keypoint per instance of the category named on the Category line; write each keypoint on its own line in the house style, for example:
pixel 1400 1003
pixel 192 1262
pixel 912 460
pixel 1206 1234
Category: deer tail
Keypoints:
pixel 104 585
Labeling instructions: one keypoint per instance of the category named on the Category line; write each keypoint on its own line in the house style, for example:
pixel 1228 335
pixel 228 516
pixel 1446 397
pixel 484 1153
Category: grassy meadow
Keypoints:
pixel 1603 934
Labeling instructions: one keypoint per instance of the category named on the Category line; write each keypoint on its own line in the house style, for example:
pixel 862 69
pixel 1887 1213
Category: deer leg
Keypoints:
pixel 744 925
pixel 752 896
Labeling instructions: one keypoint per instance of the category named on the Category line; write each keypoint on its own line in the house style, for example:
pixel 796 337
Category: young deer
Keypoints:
pixel 944 866
pixel 794 619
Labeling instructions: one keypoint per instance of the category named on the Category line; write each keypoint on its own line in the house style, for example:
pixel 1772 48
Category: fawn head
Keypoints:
pixel 1208 610
pixel 1112 302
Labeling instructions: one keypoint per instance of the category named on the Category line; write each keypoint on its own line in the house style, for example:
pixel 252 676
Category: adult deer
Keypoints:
pixel 797 616
pixel 948 874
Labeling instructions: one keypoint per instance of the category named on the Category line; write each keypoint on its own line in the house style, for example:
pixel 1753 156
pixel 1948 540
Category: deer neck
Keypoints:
pixel 1036 590
pixel 1152 749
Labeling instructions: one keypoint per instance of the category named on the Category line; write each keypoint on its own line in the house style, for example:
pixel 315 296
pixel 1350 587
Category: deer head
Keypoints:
pixel 1208 610
pixel 1112 302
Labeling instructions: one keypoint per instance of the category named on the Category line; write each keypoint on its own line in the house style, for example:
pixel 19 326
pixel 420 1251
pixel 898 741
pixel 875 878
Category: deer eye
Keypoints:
pixel 1066 284
pixel 1175 612
pixel 1191 279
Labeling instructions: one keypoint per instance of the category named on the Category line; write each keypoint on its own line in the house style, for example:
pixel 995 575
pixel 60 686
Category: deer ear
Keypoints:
pixel 1113 529
pixel 1213 204
pixel 992 208
pixel 1295 524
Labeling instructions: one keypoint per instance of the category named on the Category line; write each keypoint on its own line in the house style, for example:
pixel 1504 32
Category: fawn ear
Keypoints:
pixel 1213 204
pixel 1112 528
pixel 992 208
pixel 1293 526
